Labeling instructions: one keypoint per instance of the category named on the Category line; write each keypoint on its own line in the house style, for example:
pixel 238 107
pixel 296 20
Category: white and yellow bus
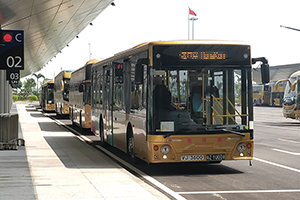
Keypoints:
pixel 174 101
pixel 47 96
pixel 290 95
pixel 80 96
pixel 61 93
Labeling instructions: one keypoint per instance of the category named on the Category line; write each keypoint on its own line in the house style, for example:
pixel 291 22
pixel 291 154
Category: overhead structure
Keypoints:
pixel 277 72
pixel 48 26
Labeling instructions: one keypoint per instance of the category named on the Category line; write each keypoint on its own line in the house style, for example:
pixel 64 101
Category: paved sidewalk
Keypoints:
pixel 54 164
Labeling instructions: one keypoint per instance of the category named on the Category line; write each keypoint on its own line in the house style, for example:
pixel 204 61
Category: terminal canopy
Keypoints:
pixel 48 26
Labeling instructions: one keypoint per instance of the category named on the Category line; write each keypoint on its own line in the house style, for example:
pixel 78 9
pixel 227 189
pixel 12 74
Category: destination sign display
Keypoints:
pixel 191 55
pixel 187 56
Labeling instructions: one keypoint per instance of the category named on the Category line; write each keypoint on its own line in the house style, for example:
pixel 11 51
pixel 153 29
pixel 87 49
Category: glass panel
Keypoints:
pixel 289 94
pixel 195 100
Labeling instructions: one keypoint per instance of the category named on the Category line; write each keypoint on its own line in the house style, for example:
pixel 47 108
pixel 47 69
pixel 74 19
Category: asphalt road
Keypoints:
pixel 275 173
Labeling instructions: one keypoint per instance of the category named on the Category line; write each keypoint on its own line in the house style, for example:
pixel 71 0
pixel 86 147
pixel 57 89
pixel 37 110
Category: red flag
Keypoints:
pixel 192 12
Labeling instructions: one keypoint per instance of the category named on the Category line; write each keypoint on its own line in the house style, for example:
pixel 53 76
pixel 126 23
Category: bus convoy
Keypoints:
pixel 169 101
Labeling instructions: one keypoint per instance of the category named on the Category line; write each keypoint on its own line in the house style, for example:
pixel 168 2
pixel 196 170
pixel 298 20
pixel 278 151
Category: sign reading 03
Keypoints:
pixel 193 55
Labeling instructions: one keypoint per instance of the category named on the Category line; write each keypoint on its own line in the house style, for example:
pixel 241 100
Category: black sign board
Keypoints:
pixel 14 84
pixel 12 75
pixel 12 49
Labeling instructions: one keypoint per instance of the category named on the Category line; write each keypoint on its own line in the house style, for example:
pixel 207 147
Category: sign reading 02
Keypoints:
pixel 194 55
pixel 12 49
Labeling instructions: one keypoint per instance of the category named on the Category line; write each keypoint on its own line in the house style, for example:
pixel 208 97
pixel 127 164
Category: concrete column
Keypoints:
pixel 5 93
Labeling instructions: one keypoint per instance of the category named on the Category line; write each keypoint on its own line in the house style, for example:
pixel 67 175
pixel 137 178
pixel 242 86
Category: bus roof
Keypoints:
pixel 178 42
pixel 146 45
pixel 91 61
pixel 295 74
pixel 196 42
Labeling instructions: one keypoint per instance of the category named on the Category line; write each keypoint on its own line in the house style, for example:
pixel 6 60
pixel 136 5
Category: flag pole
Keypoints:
pixel 189 24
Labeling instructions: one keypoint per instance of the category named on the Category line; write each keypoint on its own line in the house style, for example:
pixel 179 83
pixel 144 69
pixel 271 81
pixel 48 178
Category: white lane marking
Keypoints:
pixel 219 196
pixel 277 165
pixel 276 127
pixel 145 176
pixel 291 141
pixel 239 191
pixel 86 138
pixel 288 152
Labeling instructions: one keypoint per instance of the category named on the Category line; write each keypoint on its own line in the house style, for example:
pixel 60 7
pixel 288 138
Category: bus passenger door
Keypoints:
pixel 107 105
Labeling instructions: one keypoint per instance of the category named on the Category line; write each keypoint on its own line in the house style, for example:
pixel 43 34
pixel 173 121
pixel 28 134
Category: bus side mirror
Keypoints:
pixel 81 87
pixel 265 73
pixel 139 74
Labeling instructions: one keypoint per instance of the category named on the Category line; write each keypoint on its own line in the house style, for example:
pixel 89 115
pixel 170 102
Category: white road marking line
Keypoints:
pixel 240 191
pixel 288 152
pixel 86 138
pixel 277 165
pixel 276 127
pixel 291 141
pixel 145 176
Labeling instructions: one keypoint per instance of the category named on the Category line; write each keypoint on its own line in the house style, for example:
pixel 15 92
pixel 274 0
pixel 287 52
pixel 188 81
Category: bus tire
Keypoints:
pixel 101 131
pixel 130 144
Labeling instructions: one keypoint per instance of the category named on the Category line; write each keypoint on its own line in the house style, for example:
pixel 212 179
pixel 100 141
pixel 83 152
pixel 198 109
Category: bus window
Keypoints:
pixel 190 97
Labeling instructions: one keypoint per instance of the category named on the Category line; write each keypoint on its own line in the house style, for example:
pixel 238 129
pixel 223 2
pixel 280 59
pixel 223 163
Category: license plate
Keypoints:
pixel 215 157
pixel 192 157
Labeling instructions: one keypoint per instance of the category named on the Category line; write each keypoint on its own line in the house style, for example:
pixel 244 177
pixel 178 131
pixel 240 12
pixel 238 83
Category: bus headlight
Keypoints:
pixel 165 149
pixel 241 147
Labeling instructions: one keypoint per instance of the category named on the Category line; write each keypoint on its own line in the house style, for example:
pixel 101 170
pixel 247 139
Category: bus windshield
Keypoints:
pixel 199 100
pixel 289 95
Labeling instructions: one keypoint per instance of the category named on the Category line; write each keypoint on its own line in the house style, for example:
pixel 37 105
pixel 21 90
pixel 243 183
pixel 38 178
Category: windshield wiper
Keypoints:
pixel 168 135
pixel 237 133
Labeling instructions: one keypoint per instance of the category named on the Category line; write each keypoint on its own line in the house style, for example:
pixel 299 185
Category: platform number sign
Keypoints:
pixel 13 76
pixel 12 49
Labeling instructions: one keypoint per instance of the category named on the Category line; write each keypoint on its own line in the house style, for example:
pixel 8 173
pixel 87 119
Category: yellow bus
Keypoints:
pixel 278 93
pixel 61 92
pixel 80 96
pixel 47 96
pixel 257 94
pixel 262 94
pixel 289 97
pixel 174 101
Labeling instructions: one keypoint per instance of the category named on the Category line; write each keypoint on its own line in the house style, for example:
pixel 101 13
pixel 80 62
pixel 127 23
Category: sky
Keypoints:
pixel 131 22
